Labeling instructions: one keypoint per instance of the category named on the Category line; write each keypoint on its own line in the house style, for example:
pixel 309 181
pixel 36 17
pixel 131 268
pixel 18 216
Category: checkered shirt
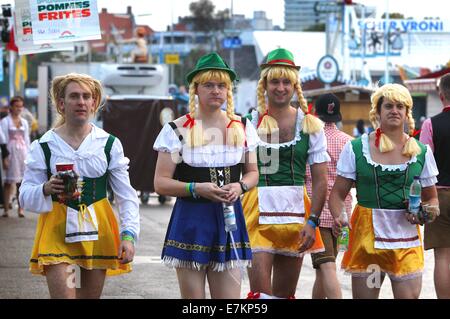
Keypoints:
pixel 336 140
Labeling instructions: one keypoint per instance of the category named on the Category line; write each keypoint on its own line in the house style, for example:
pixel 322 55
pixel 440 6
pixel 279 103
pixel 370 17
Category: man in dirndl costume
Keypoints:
pixel 77 229
pixel 281 221
pixel 384 237
pixel 206 159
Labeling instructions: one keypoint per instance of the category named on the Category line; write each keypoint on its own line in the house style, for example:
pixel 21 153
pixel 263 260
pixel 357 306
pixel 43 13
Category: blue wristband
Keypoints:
pixel 311 223
pixel 194 194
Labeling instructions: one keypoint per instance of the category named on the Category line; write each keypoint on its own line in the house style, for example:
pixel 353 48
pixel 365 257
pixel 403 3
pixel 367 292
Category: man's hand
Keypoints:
pixel 126 252
pixel 212 192
pixel 307 238
pixel 54 185
pixel 336 229
pixel 430 212
pixel 234 190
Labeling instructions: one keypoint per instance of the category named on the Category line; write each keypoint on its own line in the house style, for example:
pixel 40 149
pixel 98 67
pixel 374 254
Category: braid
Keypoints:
pixel 230 105
pixel 411 123
pixel 411 147
pixel 311 124
pixel 268 124
pixel 195 138
pixel 192 99
pixel 235 133
pixel 262 108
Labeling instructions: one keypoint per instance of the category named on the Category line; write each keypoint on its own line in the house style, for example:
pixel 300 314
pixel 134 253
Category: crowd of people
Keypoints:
pixel 254 193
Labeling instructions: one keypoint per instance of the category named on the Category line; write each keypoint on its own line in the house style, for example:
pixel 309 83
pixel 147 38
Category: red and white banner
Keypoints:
pixel 64 21
pixel 23 33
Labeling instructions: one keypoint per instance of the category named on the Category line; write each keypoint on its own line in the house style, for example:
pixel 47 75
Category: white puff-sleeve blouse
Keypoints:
pixel 346 166
pixel 89 161
pixel 210 155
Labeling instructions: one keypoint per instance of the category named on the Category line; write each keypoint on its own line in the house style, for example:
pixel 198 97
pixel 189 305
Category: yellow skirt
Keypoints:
pixel 50 247
pixel 282 239
pixel 397 263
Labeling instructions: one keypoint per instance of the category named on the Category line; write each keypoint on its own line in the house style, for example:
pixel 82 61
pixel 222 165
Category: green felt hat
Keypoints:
pixel 211 61
pixel 280 57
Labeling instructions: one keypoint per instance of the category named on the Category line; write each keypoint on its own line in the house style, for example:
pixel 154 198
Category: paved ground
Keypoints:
pixel 149 279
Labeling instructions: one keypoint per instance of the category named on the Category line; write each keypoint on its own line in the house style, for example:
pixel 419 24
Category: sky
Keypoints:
pixel 160 13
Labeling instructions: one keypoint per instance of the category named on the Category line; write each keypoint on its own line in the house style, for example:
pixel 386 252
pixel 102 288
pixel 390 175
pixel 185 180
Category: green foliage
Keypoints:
pixel 203 16
pixel 202 12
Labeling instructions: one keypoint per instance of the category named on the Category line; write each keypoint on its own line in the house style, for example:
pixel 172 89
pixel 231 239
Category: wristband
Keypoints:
pixel 188 188
pixel 312 224
pixel 128 238
pixel 194 194
pixel 127 235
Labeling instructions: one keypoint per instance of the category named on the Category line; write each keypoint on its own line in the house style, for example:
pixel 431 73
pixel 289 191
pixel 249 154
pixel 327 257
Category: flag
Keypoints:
pixel 11 45
pixel 21 73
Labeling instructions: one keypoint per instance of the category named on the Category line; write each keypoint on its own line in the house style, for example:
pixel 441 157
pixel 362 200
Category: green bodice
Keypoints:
pixel 94 189
pixel 386 189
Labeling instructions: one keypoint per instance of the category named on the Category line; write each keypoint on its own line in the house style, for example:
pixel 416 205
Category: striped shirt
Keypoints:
pixel 336 140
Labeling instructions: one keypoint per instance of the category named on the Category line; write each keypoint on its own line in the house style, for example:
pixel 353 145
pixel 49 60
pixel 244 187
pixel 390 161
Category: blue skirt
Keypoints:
pixel 196 237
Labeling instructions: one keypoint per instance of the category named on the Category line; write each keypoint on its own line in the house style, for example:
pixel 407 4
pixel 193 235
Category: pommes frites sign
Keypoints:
pixel 23 33
pixel 64 21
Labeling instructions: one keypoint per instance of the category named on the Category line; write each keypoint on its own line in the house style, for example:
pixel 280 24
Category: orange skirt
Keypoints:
pixel 282 239
pixel 363 258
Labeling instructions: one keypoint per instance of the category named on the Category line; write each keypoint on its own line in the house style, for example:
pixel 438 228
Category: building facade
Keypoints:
pixel 302 14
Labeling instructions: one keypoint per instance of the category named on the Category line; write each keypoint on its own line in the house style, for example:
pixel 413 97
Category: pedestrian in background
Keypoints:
pixel 436 133
pixel 360 128
pixel 17 136
pixel 32 123
pixel 4 155
pixel 326 285
pixel 79 229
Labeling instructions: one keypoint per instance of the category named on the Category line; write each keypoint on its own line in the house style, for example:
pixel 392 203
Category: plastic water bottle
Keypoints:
pixel 345 231
pixel 229 217
pixel 414 196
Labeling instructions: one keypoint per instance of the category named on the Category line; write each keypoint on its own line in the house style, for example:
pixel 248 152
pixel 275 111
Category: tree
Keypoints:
pixel 221 19
pixel 203 16
pixel 202 11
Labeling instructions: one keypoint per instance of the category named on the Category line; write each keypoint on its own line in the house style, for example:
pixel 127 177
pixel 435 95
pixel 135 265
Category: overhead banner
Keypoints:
pixel 405 25
pixel 64 21
pixel 23 33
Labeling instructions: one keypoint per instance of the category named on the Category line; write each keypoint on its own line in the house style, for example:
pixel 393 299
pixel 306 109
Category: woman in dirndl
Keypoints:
pixel 384 237
pixel 207 158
